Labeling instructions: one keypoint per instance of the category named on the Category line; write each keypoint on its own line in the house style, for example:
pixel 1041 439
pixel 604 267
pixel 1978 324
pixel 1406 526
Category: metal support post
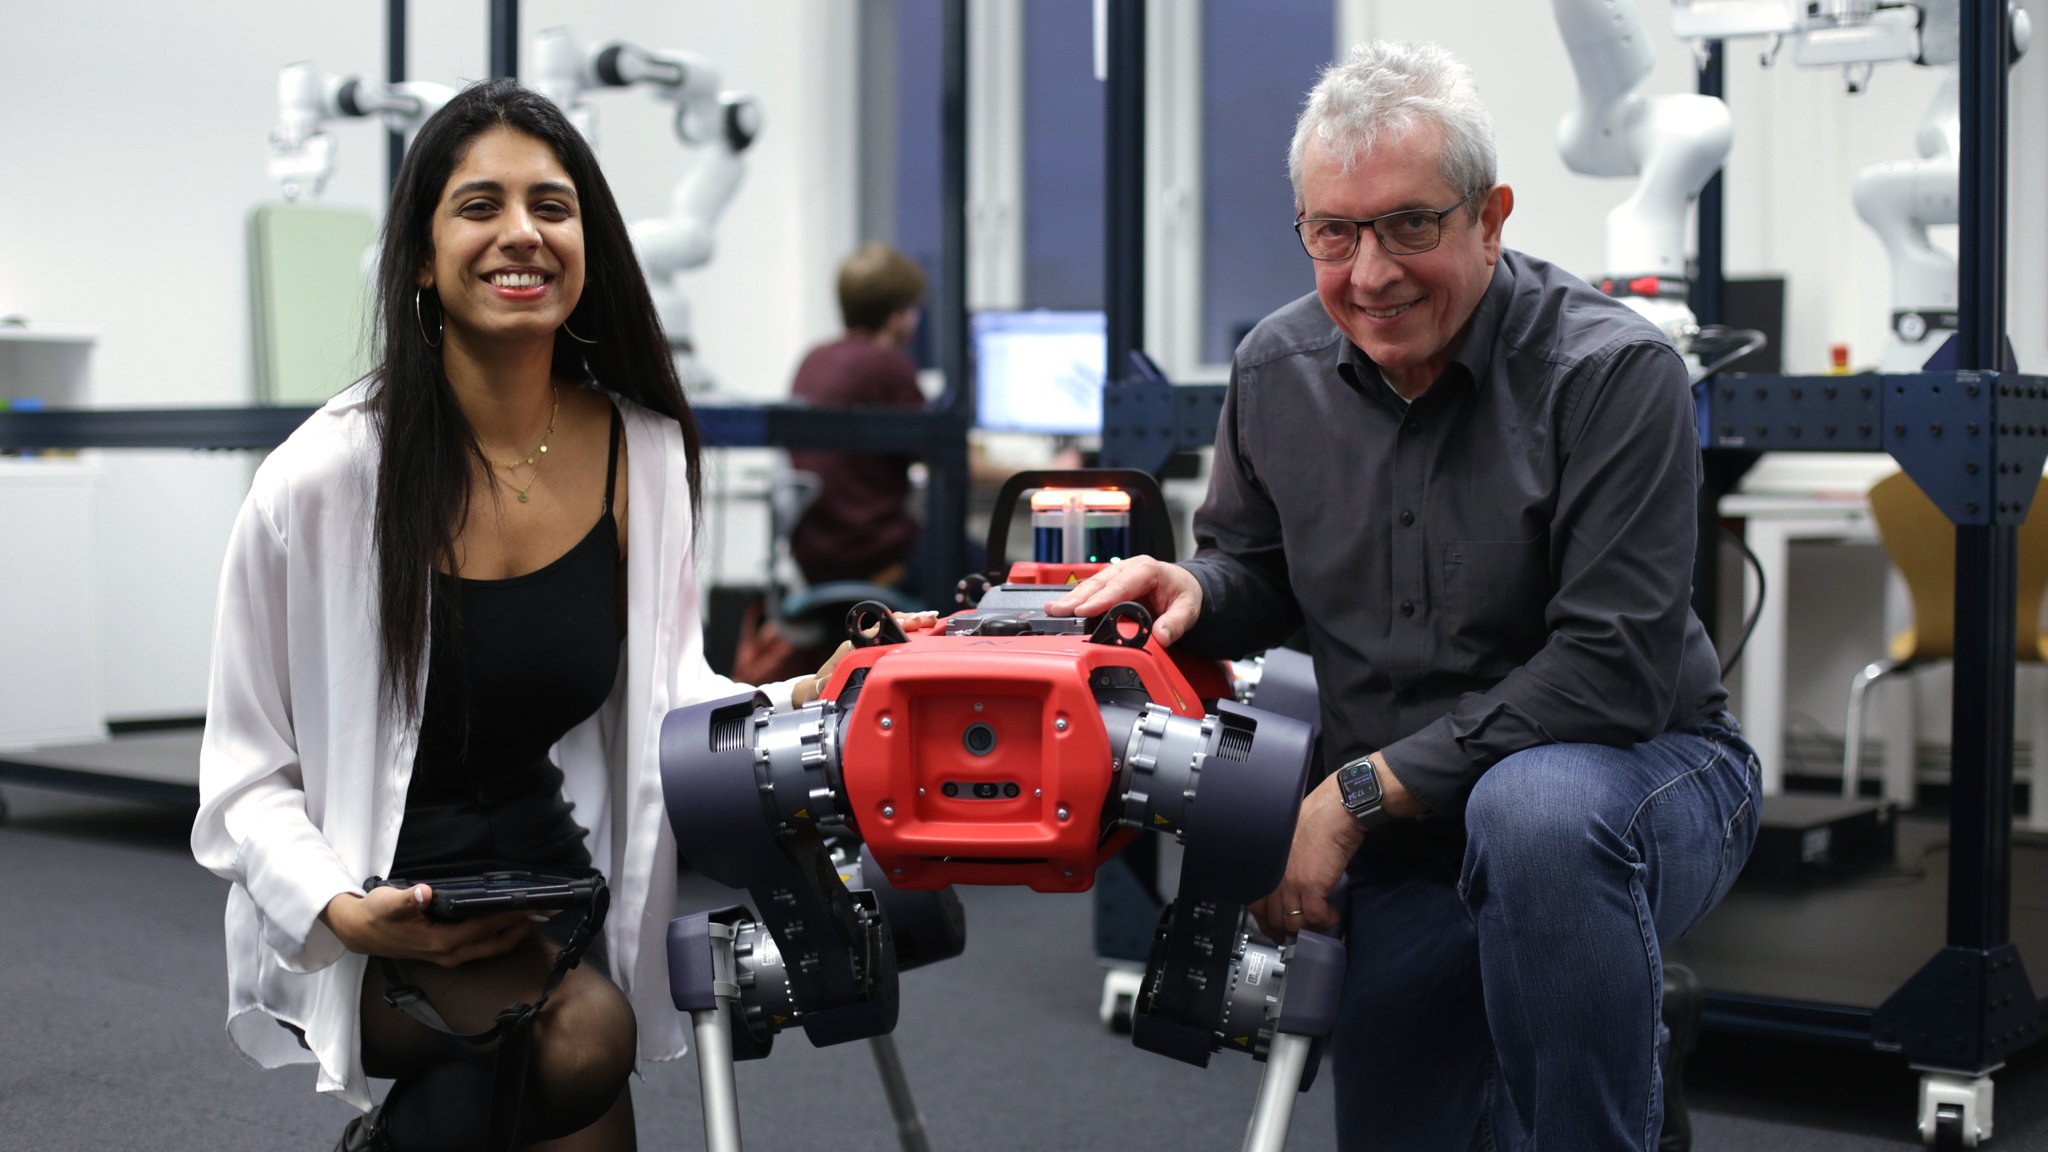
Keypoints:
pixel 1980 811
pixel 1709 281
pixel 942 548
pixel 1709 293
pixel 394 72
pixel 1124 186
pixel 504 38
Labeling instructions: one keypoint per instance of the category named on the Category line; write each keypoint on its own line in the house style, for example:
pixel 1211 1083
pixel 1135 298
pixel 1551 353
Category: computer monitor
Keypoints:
pixel 1039 372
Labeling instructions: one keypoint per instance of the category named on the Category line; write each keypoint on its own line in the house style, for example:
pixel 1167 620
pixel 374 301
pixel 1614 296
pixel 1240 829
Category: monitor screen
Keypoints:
pixel 1040 372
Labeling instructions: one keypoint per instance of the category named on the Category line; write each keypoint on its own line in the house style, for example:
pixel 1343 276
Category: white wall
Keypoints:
pixel 132 151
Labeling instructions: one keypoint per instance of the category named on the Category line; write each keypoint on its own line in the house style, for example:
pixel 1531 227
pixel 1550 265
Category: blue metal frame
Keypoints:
pixel 1144 423
pixel 1974 440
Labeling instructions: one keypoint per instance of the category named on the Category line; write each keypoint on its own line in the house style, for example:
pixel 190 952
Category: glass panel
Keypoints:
pixel 1259 59
pixel 1063 157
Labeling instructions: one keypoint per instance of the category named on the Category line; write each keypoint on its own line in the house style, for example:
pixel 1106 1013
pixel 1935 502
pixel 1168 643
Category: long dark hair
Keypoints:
pixel 426 444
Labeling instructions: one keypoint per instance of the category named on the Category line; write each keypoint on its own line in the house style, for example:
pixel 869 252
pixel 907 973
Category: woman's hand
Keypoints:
pixel 812 687
pixel 393 922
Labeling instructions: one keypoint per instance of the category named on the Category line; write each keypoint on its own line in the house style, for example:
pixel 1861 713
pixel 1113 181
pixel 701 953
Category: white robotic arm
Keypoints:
pixel 1673 143
pixel 1856 35
pixel 1901 199
pixel 302 153
pixel 717 125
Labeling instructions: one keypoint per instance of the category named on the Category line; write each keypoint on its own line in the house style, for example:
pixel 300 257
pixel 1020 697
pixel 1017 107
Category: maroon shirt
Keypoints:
pixel 861 523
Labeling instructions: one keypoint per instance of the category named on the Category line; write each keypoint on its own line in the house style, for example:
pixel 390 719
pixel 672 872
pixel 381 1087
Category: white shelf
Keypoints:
pixel 52 365
pixel 11 335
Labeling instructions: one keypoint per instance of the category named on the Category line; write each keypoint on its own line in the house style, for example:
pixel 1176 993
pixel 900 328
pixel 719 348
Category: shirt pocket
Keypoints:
pixel 1495 594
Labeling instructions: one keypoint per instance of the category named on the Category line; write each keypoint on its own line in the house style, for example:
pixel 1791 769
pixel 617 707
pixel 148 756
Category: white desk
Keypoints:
pixel 1774 522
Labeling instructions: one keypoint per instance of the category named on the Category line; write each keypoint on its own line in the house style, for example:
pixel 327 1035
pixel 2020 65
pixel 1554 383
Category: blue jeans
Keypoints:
pixel 1515 1003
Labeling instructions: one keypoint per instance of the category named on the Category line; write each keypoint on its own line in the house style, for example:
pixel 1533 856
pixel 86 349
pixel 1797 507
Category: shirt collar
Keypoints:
pixel 1482 332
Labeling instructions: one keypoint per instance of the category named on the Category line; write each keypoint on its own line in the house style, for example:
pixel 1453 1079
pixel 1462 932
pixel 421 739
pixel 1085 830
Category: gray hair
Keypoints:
pixel 1382 92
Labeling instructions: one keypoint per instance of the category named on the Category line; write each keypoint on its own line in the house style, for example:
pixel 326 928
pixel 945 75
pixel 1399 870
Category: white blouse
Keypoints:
pixel 303 770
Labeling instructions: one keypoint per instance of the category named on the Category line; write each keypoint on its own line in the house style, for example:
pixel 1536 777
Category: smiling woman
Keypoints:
pixel 458 704
pixel 508 244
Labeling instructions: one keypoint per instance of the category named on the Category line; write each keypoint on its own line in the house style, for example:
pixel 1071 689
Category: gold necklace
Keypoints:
pixel 534 457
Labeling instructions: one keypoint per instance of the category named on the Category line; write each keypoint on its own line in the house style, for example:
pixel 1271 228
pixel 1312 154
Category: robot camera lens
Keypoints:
pixel 979 739
pixel 951 789
pixel 985 791
pixel 1010 790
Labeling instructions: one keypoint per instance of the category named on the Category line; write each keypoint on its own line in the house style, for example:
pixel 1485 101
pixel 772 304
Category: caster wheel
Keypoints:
pixel 1120 1015
pixel 1120 988
pixel 1948 1128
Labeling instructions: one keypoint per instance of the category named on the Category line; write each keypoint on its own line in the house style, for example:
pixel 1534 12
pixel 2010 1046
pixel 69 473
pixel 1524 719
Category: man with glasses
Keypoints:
pixel 1471 477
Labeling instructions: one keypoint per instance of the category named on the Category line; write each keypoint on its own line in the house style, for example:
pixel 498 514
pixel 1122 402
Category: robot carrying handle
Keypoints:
pixel 872 622
pixel 1110 630
pixel 1148 509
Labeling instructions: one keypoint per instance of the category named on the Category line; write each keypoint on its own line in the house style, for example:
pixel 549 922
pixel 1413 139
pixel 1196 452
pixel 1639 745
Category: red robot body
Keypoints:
pixel 985 760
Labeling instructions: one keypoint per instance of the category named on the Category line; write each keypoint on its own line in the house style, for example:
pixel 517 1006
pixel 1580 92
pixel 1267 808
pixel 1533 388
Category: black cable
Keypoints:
pixel 1749 624
pixel 1713 339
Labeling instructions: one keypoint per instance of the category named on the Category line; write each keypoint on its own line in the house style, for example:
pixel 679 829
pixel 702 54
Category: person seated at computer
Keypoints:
pixel 860 527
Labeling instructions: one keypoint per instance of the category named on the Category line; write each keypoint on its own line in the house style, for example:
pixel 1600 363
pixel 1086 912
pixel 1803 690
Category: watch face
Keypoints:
pixel 1358 783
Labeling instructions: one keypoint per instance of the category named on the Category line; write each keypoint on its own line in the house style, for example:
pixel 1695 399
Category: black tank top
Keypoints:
pixel 514 664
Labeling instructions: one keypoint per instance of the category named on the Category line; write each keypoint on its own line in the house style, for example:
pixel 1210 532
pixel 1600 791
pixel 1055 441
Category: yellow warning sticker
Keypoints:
pixel 1158 819
pixel 781 1020
pixel 1242 1041
pixel 1073 578
pixel 800 814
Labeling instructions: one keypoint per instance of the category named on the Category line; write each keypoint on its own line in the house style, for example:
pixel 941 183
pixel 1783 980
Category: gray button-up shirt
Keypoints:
pixel 1504 563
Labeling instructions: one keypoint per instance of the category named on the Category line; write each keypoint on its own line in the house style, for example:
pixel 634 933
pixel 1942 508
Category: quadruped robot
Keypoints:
pixel 1002 746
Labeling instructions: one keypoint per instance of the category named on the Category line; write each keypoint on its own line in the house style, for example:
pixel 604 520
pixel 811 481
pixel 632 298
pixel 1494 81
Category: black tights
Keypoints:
pixel 583 1045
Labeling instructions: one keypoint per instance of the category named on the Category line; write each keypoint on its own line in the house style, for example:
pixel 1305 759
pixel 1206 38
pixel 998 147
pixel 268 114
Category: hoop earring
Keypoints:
pixel 573 335
pixel 421 320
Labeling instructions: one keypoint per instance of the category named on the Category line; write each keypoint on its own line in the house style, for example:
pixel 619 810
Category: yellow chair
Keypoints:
pixel 1922 545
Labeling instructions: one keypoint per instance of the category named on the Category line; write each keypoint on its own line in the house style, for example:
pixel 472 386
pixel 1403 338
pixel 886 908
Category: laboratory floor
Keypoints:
pixel 112 996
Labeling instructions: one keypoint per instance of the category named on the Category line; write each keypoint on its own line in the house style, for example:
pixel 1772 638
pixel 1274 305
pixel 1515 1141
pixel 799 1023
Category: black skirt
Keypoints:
pixel 526 825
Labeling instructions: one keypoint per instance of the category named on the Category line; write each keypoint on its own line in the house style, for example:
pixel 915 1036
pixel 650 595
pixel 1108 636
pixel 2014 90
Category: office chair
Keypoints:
pixel 1921 543
pixel 809 615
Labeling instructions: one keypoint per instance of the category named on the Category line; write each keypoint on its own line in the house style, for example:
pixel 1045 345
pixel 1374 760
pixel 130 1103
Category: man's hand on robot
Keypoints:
pixel 1168 591
pixel 1325 838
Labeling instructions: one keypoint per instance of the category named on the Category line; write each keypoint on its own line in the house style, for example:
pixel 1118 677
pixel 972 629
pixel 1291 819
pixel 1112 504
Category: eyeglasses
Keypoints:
pixel 1407 233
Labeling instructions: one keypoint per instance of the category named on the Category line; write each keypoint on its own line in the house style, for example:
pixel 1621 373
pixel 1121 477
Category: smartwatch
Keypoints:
pixel 1358 785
